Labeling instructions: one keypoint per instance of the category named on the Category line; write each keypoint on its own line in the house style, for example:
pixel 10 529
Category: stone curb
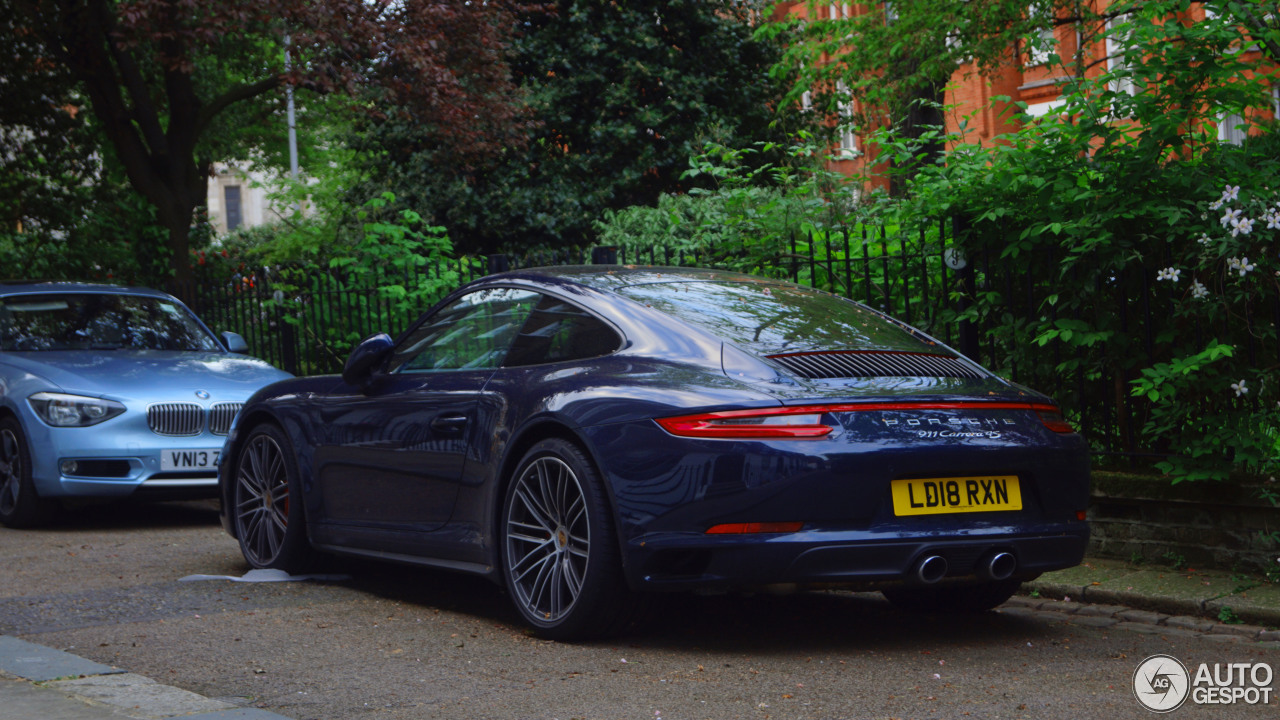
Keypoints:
pixel 1105 615
pixel 61 685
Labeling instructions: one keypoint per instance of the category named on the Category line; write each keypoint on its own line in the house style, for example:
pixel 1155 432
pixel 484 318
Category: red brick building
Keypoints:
pixel 1030 80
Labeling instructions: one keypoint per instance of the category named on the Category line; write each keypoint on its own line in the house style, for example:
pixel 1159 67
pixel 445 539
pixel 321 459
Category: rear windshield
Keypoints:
pixel 98 321
pixel 775 319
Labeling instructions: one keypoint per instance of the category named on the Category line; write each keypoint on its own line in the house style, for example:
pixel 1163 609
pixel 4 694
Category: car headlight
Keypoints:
pixel 60 410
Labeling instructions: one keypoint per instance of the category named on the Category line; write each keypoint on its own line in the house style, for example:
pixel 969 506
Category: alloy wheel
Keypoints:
pixel 10 471
pixel 548 540
pixel 262 499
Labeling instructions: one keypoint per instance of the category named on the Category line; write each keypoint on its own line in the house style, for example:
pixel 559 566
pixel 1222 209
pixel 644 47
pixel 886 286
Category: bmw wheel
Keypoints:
pixel 560 556
pixel 20 505
pixel 269 519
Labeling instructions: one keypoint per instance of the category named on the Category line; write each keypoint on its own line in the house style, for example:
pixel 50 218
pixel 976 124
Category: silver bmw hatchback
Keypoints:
pixel 112 392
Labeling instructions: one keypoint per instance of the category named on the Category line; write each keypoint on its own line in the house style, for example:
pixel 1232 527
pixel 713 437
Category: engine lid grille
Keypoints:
pixel 833 364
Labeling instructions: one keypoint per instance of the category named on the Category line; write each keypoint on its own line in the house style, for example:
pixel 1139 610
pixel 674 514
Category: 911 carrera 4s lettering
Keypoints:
pixel 933 496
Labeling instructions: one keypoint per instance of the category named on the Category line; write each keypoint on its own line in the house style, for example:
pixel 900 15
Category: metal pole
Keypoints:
pixel 293 130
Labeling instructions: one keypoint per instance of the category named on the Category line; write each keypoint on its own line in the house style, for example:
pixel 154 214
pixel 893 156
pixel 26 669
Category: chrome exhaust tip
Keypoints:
pixel 931 569
pixel 997 566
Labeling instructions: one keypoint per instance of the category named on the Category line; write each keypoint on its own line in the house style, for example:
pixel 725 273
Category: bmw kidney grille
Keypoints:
pixel 189 419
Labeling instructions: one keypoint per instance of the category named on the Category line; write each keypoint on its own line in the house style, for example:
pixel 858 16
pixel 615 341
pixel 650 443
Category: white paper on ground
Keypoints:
pixel 266 575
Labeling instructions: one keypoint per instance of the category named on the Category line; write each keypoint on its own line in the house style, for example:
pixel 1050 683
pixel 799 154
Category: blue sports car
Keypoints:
pixel 111 392
pixel 585 436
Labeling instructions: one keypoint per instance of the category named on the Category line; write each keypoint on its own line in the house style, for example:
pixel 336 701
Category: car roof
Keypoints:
pixel 31 287
pixel 613 277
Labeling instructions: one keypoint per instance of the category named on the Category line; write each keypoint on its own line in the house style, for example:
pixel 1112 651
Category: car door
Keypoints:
pixel 395 450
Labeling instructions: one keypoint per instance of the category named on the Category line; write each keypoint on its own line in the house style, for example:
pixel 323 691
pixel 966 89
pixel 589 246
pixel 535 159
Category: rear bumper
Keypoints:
pixel 685 561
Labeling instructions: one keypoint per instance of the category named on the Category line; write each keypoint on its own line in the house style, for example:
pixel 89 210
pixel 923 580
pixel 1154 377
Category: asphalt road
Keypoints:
pixel 406 643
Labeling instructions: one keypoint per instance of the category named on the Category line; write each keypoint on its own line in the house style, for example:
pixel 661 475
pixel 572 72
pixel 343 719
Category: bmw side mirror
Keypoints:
pixel 234 342
pixel 365 357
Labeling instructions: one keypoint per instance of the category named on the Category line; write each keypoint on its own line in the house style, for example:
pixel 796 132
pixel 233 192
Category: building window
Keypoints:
pixel 1117 35
pixel 1043 43
pixel 235 215
pixel 1232 129
pixel 848 138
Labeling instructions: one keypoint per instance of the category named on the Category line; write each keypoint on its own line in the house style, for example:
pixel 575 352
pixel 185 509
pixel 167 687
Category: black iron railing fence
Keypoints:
pixel 306 322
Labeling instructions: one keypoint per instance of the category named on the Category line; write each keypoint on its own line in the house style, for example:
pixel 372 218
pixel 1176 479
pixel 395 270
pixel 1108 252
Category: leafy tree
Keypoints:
pixel 1142 245
pixel 896 59
pixel 622 94
pixel 168 81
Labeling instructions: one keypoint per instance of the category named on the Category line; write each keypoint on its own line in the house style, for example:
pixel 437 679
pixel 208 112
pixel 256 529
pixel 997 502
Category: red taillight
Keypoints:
pixel 805 421
pixel 801 422
pixel 1053 419
pixel 753 528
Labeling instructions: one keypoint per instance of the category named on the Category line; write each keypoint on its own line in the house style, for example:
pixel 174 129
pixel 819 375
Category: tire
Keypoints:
pixel 267 503
pixel 560 556
pixel 953 599
pixel 20 505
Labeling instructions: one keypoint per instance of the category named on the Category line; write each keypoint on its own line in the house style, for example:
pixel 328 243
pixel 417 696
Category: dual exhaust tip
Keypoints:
pixel 995 565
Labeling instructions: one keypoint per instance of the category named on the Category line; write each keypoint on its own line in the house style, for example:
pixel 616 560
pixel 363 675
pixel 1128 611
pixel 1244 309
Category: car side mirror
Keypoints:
pixel 364 357
pixel 234 342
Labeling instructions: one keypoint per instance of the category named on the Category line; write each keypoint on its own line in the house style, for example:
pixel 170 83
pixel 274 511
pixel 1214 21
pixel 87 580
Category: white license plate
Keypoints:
pixel 188 459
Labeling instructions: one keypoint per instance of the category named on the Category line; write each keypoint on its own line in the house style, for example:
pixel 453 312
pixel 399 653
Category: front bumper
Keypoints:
pixel 117 460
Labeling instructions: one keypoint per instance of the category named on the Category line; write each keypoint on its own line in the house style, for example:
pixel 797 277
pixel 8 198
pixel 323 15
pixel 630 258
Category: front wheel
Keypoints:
pixel 20 505
pixel 267 498
pixel 953 598
pixel 560 556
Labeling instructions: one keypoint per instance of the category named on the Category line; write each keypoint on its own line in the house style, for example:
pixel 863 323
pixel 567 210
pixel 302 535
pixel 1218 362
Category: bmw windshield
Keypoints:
pixel 99 321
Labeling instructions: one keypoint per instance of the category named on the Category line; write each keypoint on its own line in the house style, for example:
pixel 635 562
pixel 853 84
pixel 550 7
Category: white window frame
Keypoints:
pixel 1048 36
pixel 1116 61
pixel 848 133
pixel 1232 128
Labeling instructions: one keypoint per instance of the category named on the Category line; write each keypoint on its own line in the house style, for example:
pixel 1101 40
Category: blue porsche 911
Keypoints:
pixel 585 436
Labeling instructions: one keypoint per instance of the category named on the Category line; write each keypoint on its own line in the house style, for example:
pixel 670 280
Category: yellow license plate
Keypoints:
pixel 936 496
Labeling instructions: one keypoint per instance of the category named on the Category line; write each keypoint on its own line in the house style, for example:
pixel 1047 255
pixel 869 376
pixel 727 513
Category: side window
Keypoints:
pixel 473 332
pixel 557 331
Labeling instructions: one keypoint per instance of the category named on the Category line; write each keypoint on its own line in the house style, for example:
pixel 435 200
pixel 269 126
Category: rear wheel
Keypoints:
pixel 953 598
pixel 267 499
pixel 20 505
pixel 560 555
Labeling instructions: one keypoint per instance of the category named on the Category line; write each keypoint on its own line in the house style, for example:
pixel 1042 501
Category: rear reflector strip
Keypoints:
pixel 755 528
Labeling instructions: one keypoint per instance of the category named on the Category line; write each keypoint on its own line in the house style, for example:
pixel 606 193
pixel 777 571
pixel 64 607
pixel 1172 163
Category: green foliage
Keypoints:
pixel 385 262
pixel 749 215
pixel 1123 254
pixel 619 96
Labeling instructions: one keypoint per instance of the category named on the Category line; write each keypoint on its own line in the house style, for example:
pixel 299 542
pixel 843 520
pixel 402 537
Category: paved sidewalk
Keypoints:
pixel 40 683
pixel 1215 597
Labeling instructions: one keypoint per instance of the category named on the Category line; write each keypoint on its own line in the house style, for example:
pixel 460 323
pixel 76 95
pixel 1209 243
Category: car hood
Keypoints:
pixel 124 374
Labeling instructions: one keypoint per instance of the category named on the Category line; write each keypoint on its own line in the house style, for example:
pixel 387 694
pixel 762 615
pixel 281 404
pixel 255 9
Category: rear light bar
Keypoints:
pixel 805 421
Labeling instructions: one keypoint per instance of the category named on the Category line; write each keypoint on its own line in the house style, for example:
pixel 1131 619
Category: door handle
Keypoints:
pixel 448 423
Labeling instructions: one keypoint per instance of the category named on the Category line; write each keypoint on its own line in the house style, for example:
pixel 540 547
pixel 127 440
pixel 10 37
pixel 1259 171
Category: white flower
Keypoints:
pixel 1198 290
pixel 1204 239
pixel 1169 273
pixel 1230 218
pixel 1245 267
pixel 1231 193
pixel 1215 204
pixel 1240 388
pixel 1243 226
pixel 1273 219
